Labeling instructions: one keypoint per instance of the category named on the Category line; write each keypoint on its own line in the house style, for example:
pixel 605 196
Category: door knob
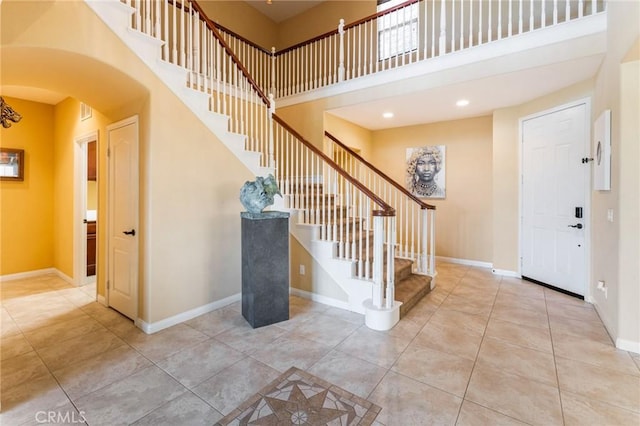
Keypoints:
pixel 579 226
pixel 133 232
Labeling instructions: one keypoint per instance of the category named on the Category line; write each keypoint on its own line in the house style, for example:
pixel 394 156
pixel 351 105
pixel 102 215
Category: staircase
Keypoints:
pixel 348 228
pixel 410 287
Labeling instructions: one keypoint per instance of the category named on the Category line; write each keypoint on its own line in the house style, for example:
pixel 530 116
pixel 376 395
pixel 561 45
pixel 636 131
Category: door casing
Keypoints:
pixel 79 208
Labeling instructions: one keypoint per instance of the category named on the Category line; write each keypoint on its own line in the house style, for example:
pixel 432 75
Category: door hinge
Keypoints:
pixel 108 152
pixel 108 284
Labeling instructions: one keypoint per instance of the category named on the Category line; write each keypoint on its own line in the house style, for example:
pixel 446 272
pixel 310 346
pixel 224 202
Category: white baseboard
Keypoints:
pixel 27 274
pixel 628 345
pixel 102 300
pixel 506 273
pixel 151 328
pixel 320 299
pixel 65 277
pixel 468 262
pixel 37 273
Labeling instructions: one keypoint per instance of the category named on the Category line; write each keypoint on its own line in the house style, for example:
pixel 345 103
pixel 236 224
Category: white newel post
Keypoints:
pixel 443 28
pixel 378 259
pixel 341 57
pixel 391 243
pixel 272 110
pixel 432 244
pixel 273 71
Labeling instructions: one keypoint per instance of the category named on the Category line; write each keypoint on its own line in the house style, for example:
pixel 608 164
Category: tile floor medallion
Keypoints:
pixel 299 398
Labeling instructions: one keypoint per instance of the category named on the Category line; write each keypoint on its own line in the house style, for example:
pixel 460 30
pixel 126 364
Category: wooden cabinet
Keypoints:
pixel 91 248
pixel 92 168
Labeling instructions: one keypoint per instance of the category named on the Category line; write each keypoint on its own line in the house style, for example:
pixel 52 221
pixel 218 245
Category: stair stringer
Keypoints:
pixel 117 15
pixel 341 271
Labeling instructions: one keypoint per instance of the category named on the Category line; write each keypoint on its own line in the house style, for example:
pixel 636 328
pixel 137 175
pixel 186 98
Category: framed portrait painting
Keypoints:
pixel 11 164
pixel 425 171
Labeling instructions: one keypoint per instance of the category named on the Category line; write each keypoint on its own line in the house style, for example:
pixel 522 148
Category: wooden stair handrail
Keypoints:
pixel 385 209
pixel 421 203
pixel 226 47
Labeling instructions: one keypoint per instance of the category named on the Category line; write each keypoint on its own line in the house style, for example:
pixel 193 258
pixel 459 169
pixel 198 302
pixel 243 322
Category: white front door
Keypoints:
pixel 122 286
pixel 554 196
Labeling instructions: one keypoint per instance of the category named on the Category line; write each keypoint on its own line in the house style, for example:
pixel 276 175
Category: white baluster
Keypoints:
pixel 480 21
pixel 272 110
pixel 555 12
pixel 148 28
pixel 580 6
pixel 165 46
pixel 462 24
pixel 531 23
pixel 489 28
pixel 157 31
pixel 433 29
pixel 520 19
pixel 443 28
pixel 341 68
pixel 425 31
pixel 500 20
pixel 543 14
pixel 453 26
pixel 510 19
pixel 273 71
pixel 567 11
pixel 471 23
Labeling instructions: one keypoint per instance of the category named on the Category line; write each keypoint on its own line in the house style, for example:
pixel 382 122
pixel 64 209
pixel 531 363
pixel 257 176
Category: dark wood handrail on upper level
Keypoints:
pixel 399 187
pixel 226 47
pixel 385 209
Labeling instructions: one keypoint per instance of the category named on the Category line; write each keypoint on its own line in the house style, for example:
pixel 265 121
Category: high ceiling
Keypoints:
pixel 281 10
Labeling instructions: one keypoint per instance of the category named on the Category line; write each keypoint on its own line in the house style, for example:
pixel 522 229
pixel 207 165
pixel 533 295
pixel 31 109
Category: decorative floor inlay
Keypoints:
pixel 300 398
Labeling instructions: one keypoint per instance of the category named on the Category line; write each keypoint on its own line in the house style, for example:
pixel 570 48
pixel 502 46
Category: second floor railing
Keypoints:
pixel 413 31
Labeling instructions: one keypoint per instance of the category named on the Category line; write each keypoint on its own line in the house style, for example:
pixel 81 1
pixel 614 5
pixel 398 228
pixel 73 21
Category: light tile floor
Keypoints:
pixel 479 350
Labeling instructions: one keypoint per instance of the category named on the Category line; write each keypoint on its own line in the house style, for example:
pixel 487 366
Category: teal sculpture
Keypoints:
pixel 260 193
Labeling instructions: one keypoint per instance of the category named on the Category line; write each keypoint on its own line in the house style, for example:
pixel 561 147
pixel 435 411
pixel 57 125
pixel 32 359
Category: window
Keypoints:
pixel 397 30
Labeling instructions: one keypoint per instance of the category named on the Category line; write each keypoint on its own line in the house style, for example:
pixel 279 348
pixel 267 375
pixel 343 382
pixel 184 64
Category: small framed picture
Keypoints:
pixel 11 164
pixel 425 172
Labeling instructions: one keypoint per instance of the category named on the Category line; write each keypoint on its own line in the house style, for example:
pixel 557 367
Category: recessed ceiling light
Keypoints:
pixel 462 102
pixel 387 115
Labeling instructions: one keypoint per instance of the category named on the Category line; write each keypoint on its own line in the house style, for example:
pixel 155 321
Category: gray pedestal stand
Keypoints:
pixel 265 267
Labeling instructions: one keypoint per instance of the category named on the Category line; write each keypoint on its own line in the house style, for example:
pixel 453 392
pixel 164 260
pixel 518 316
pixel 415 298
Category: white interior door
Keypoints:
pixel 123 217
pixel 554 185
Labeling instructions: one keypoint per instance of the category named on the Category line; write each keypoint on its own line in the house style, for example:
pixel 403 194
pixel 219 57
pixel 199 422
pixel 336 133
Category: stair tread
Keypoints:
pixel 410 290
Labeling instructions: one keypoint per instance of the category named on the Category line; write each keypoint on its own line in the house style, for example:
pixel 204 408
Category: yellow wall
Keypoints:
pixel 253 26
pixel 610 238
pixel 629 209
pixel 315 279
pixel 26 207
pixel 463 219
pixel 189 182
pixel 355 137
pixel 321 19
